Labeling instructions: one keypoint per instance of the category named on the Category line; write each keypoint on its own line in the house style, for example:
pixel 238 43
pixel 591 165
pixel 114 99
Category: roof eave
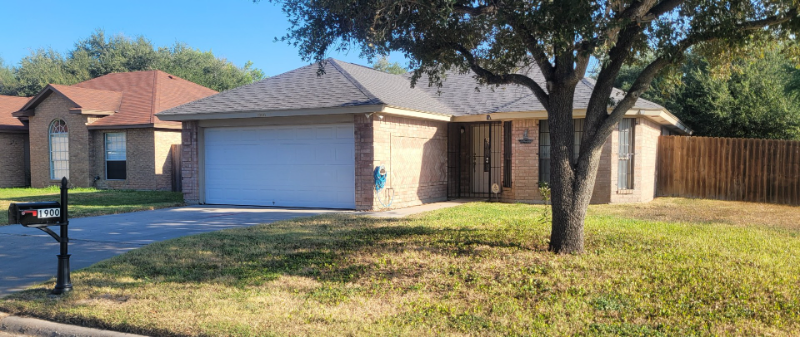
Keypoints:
pixel 120 126
pixel 181 117
pixel 23 113
pixel 13 129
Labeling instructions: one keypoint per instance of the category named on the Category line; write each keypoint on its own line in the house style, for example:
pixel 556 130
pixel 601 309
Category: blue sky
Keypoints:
pixel 238 30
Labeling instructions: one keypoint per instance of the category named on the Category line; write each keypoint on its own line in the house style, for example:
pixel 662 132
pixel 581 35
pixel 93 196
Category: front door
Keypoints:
pixel 485 156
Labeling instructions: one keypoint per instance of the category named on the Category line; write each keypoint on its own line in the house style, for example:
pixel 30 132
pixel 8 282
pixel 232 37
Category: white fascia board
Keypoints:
pixel 390 110
pixel 271 113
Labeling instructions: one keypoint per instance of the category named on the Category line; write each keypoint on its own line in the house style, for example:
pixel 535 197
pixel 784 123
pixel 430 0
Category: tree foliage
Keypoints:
pixel 99 55
pixel 501 40
pixel 755 98
pixel 382 64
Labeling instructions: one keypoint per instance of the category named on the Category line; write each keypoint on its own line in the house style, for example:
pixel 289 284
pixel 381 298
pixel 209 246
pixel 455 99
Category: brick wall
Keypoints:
pixel 80 139
pixel 602 182
pixel 163 157
pixel 646 134
pixel 13 172
pixel 413 151
pixel 140 167
pixel 190 162
pixel 524 163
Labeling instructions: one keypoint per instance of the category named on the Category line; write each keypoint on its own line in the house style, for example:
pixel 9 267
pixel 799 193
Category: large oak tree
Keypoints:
pixel 496 38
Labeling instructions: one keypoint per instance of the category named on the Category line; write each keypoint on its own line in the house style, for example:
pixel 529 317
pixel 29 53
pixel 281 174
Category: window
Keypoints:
pixel 544 151
pixel 545 144
pixel 626 152
pixel 507 142
pixel 115 156
pixel 59 150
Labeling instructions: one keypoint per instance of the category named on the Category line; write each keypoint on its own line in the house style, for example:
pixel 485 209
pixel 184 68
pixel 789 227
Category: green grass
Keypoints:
pixel 85 202
pixel 478 269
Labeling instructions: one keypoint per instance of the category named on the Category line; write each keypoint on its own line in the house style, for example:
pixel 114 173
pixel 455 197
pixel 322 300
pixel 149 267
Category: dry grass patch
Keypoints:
pixel 478 269
pixel 736 213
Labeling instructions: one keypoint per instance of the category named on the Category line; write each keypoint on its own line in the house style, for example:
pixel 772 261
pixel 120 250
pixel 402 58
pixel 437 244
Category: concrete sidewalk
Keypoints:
pixel 404 212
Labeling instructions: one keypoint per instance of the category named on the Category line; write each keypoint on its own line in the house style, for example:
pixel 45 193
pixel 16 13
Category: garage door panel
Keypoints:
pixel 302 166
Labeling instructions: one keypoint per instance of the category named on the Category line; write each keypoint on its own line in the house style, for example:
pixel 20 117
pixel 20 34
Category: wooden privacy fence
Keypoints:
pixel 729 169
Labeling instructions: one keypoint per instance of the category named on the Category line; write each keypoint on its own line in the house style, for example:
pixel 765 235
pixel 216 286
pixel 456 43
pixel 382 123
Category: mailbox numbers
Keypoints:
pixel 49 213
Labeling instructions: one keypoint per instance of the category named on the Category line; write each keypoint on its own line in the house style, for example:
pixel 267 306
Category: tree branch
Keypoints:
pixel 492 78
pixel 479 10
pixel 533 47
pixel 642 82
pixel 663 7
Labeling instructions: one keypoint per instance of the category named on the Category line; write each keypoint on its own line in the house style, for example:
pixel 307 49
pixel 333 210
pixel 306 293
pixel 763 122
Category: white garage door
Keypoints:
pixel 289 166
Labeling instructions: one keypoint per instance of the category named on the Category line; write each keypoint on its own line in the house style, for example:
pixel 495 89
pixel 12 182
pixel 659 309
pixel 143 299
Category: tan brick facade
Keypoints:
pixel 190 162
pixel 646 134
pixel 148 156
pixel 147 151
pixel 14 170
pixel 414 151
pixel 80 149
pixel 525 166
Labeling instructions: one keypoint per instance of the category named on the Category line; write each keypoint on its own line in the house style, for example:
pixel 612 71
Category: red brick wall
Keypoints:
pixel 524 163
pixel 414 152
pixel 13 172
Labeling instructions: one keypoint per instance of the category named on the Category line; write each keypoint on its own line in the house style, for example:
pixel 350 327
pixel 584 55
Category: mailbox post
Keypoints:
pixel 63 278
pixel 40 215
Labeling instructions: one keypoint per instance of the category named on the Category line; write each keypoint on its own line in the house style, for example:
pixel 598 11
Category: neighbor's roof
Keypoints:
pixel 131 98
pixel 342 85
pixel 345 85
pixel 9 104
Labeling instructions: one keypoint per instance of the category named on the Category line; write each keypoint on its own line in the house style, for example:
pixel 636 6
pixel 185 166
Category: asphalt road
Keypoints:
pixel 28 256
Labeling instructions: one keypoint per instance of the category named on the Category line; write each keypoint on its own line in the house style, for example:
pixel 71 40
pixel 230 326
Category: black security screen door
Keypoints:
pixel 474 159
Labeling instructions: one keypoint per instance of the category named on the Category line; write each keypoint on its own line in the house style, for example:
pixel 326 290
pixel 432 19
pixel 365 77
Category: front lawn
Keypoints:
pixel 85 202
pixel 478 269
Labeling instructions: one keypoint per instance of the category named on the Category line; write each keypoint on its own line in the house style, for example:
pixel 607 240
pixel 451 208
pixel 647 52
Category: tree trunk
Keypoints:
pixel 571 187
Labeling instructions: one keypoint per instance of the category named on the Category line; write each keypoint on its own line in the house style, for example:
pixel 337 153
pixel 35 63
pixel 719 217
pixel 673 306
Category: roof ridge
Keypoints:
pixel 373 99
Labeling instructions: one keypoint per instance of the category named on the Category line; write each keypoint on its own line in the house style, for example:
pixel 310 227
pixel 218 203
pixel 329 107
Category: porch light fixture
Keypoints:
pixel 525 139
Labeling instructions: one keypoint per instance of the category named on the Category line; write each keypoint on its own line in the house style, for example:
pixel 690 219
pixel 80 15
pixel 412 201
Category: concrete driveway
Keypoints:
pixel 28 255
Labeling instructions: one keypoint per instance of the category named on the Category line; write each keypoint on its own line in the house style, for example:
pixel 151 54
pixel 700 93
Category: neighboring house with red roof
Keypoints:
pixel 102 132
pixel 14 170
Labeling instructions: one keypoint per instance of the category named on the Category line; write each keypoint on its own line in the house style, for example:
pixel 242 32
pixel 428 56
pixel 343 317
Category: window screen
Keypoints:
pixel 116 160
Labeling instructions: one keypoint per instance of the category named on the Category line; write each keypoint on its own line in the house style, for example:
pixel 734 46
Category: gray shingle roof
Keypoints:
pixel 346 84
pixel 463 94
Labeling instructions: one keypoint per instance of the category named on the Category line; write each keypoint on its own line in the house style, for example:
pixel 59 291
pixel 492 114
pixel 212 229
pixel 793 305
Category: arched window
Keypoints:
pixel 59 150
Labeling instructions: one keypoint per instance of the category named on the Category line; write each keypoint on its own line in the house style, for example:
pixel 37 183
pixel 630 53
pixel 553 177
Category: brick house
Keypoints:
pixel 102 132
pixel 308 140
pixel 14 170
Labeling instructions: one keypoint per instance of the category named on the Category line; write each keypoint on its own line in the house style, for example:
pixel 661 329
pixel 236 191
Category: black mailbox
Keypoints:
pixel 31 214
pixel 40 215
